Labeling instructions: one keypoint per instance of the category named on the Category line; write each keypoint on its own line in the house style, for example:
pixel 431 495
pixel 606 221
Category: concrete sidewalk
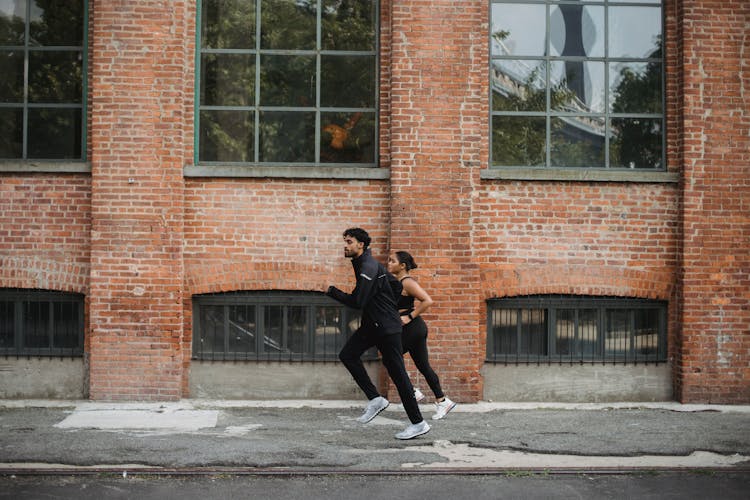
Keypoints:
pixel 324 436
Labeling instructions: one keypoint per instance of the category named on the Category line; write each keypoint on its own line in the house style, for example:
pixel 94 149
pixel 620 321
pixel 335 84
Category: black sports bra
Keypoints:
pixel 405 302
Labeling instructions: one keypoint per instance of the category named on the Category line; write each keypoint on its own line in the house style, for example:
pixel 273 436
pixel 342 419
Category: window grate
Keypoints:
pixel 41 323
pixel 271 326
pixel 576 330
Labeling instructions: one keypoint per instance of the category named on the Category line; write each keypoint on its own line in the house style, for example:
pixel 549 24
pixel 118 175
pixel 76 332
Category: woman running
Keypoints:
pixel 414 336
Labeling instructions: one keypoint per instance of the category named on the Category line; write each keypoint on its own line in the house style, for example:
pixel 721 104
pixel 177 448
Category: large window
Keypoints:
pixel 42 63
pixel 577 84
pixel 39 322
pixel 572 329
pixel 287 82
pixel 273 326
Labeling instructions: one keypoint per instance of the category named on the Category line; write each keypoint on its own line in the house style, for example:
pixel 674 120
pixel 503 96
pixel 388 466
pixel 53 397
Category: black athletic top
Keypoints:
pixel 405 302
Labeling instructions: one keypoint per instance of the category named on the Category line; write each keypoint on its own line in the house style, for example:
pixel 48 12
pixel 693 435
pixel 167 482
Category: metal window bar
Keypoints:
pixel 614 332
pixel 284 329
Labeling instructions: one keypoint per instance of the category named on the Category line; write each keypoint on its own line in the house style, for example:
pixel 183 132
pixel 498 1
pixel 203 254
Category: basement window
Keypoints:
pixel 41 323
pixel 576 329
pixel 271 326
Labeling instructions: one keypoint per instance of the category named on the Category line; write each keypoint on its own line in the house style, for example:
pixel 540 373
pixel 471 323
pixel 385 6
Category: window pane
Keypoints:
pixel 617 335
pixel 36 324
pixel 347 137
pixel 577 141
pixel 242 329
pixel 297 330
pixel 635 87
pixel 348 25
pixel 60 23
pixel 505 331
pixel 228 79
pixel 11 140
pixel 287 81
pixel 329 332
pixel 273 338
pixel 636 143
pixel 519 85
pixel 518 140
pixel 55 77
pixel 287 137
pixel 347 81
pixel 227 136
pixel 577 31
pixel 11 84
pixel 518 29
pixel 634 32
pixel 646 334
pixel 288 24
pixel 228 24
pixel 534 332
pixel 66 325
pixel 212 329
pixel 12 22
pixel 54 133
pixel 588 331
pixel 7 322
pixel 577 87
pixel 565 332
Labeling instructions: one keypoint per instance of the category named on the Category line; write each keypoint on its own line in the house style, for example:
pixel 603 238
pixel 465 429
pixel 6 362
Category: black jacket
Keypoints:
pixel 375 294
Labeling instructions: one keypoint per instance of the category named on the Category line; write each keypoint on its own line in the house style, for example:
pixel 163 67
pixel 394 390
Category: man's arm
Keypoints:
pixel 366 286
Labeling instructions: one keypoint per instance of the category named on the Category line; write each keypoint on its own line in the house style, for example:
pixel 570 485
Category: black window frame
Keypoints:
pixel 18 298
pixel 49 163
pixel 648 173
pixel 205 167
pixel 596 350
pixel 264 344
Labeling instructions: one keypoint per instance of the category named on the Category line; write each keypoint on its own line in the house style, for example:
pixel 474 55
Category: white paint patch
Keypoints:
pixel 464 456
pixel 177 421
pixel 241 430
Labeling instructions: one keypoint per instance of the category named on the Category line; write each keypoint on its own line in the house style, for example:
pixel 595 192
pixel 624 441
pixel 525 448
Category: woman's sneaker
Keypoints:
pixel 414 430
pixel 442 408
pixel 418 395
pixel 372 409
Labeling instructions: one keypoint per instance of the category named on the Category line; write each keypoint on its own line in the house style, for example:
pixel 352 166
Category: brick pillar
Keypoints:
pixel 438 144
pixel 713 355
pixel 139 84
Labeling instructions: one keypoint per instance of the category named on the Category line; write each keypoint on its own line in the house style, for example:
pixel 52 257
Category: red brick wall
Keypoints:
pixel 714 359
pixel 44 229
pixel 140 240
pixel 141 62
pixel 439 89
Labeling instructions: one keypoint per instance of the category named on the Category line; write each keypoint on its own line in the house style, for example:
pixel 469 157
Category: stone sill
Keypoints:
pixel 578 175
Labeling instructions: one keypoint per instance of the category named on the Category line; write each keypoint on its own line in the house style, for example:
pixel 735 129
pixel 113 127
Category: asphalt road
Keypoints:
pixel 661 486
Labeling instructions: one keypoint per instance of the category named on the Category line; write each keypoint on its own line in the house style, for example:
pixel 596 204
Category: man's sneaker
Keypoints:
pixel 374 407
pixel 442 408
pixel 418 395
pixel 414 430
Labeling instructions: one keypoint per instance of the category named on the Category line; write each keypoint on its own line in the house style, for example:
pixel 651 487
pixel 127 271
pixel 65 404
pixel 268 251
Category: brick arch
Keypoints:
pixel 44 274
pixel 228 276
pixel 568 279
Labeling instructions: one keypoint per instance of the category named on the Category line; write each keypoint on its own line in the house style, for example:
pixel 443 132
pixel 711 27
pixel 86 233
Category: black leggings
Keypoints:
pixel 414 341
pixel 393 360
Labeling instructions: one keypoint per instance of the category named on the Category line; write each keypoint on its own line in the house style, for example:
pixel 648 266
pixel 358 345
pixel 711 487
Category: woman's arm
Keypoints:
pixel 414 289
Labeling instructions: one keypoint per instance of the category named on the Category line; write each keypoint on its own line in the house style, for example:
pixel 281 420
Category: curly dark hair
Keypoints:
pixel 359 234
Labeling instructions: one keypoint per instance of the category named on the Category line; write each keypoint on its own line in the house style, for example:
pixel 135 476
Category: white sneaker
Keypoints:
pixel 414 430
pixel 418 395
pixel 442 408
pixel 374 407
